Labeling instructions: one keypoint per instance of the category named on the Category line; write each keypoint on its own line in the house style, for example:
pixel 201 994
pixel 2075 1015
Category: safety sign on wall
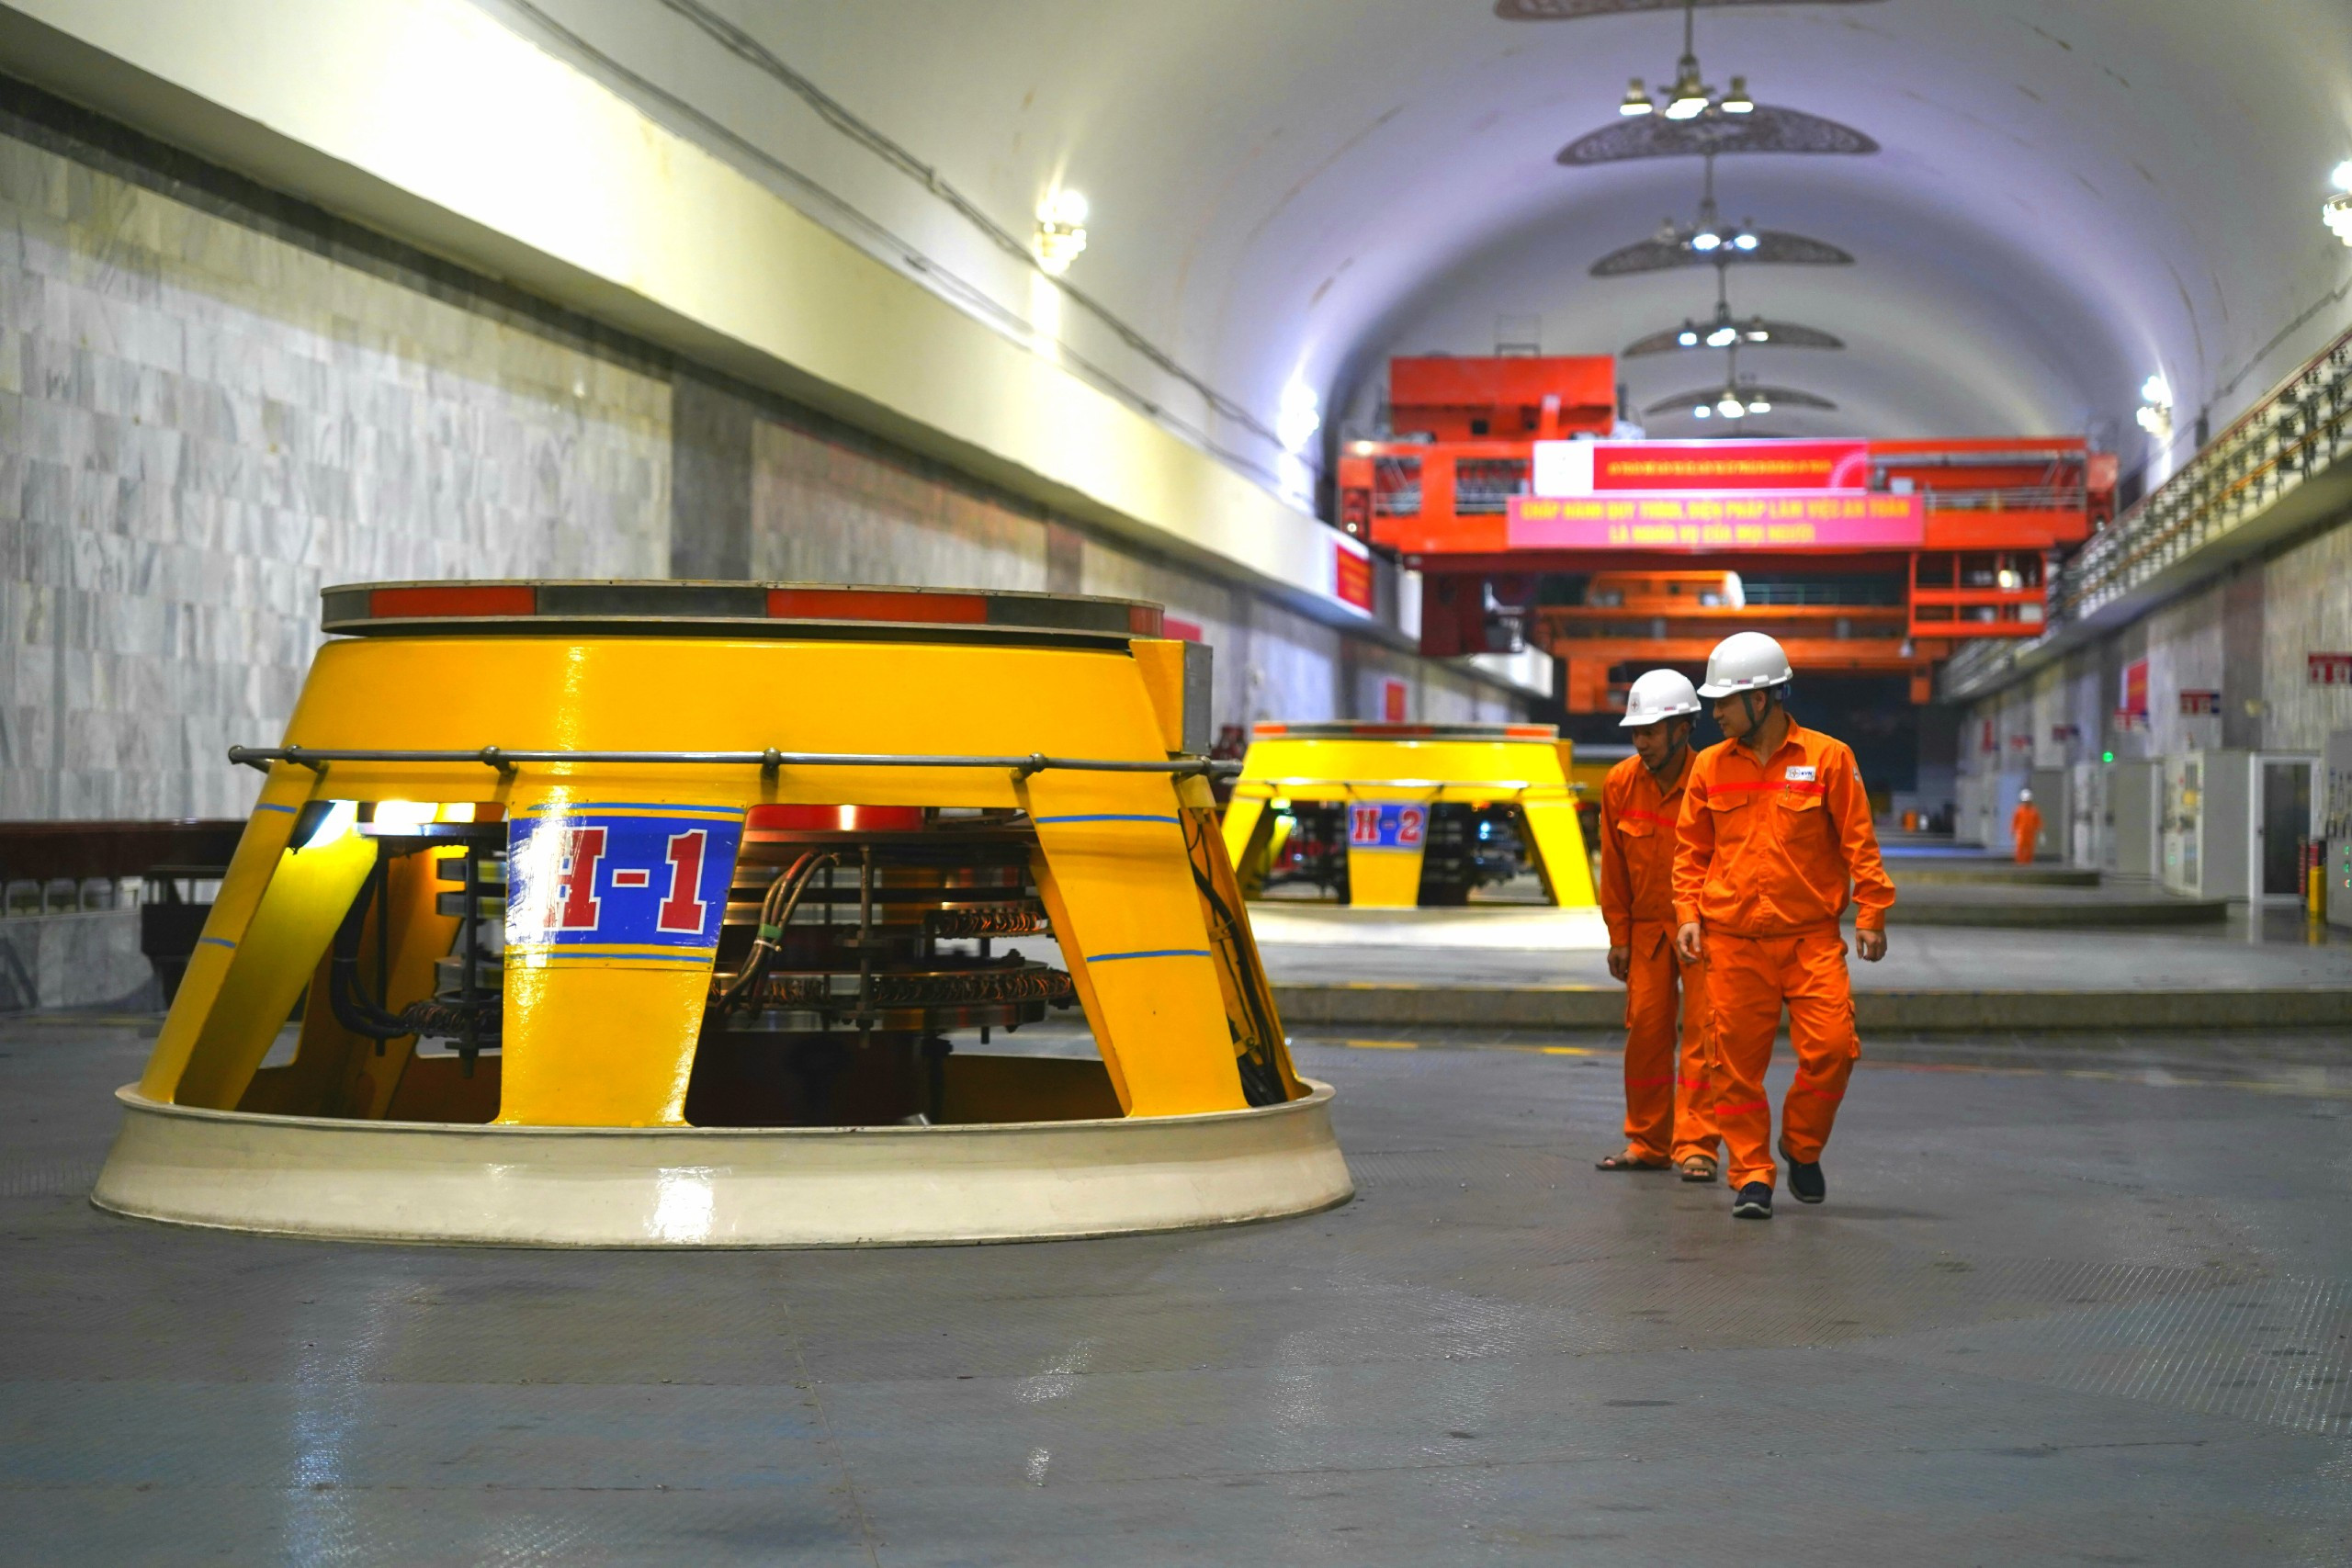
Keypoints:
pixel 1386 827
pixel 619 885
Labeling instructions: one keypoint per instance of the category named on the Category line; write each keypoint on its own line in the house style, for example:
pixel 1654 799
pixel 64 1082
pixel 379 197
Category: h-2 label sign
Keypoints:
pixel 1386 827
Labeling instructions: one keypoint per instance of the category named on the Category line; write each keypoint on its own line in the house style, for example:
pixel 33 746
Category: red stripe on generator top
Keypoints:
pixel 456 599
pixel 1269 729
pixel 877 604
pixel 834 818
pixel 1531 732
pixel 1144 620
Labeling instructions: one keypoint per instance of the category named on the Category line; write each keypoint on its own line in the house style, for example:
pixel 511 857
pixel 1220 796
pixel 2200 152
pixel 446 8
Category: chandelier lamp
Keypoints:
pixel 1723 331
pixel 1690 97
pixel 1736 399
pixel 1710 236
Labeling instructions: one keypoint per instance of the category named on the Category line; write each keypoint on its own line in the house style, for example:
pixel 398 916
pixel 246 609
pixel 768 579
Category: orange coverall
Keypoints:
pixel 2025 828
pixel 1763 861
pixel 1667 1114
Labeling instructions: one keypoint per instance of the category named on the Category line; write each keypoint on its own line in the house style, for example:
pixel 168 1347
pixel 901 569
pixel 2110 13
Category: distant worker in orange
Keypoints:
pixel 1775 841
pixel 2025 826
pixel 1665 1077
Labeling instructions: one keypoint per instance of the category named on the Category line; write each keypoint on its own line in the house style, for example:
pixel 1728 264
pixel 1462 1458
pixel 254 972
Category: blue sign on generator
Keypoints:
pixel 1386 826
pixel 619 883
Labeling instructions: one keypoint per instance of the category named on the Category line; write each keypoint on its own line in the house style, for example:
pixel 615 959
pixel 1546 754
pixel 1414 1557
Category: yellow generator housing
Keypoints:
pixel 670 912
pixel 1400 815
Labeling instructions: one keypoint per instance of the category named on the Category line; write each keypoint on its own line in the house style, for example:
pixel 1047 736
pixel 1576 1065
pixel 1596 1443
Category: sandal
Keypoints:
pixel 1699 1168
pixel 1627 1162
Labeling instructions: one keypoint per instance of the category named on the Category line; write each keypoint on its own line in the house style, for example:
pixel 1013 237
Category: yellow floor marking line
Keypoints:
pixel 1384 1044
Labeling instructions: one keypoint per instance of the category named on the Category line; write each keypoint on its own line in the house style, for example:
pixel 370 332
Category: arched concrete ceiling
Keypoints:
pixel 2073 193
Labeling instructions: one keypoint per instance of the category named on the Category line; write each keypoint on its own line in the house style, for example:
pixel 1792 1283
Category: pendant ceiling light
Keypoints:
pixel 1756 331
pixel 1711 239
pixel 1735 399
pixel 1691 96
pixel 1724 331
pixel 1691 117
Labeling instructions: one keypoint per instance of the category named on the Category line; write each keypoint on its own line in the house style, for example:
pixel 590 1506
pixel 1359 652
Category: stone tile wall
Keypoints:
pixel 2307 610
pixel 202 423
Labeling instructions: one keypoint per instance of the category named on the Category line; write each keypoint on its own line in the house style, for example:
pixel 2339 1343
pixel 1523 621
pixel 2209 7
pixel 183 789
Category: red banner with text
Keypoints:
pixel 1720 466
pixel 1783 520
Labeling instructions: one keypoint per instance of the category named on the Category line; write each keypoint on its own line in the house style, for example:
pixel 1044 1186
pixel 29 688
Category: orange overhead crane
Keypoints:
pixel 1861 557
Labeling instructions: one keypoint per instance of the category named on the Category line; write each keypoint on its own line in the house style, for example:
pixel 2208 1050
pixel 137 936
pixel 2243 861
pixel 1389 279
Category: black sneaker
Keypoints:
pixel 1754 1202
pixel 1806 1183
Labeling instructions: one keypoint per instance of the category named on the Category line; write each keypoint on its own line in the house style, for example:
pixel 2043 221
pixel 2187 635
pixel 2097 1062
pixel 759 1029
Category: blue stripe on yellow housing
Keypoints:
pixel 1149 953
pixel 1107 816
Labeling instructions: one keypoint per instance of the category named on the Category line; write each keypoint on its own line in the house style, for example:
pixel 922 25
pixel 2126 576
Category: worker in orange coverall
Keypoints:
pixel 1666 1070
pixel 2025 826
pixel 1774 831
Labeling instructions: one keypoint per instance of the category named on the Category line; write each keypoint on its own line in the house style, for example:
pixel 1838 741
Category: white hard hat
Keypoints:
pixel 2025 794
pixel 1745 661
pixel 1660 695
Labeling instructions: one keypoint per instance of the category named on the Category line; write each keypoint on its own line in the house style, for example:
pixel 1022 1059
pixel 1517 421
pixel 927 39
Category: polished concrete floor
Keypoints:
pixel 2275 949
pixel 2063 1306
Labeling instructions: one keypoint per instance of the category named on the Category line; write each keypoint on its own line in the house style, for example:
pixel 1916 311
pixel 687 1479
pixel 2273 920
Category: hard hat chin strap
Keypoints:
pixel 1675 745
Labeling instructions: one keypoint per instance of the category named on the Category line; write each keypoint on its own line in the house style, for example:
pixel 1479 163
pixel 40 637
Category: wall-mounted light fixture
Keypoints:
pixel 2155 407
pixel 1299 415
pixel 2337 211
pixel 1061 231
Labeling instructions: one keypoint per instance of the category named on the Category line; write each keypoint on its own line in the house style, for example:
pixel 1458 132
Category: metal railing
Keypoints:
pixel 2011 498
pixel 2303 426
pixel 1823 593
pixel 506 760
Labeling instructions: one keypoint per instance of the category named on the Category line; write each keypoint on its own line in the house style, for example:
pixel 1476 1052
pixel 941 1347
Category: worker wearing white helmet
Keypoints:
pixel 1640 800
pixel 1775 842
pixel 2025 828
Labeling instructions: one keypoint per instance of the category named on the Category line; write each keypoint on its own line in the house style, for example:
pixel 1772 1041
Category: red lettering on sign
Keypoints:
pixel 1410 822
pixel 684 908
pixel 574 906
pixel 1363 824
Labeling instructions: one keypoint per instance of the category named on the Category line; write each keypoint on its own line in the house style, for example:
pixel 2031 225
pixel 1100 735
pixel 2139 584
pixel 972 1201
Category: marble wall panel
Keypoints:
pixel 202 423
pixel 2308 610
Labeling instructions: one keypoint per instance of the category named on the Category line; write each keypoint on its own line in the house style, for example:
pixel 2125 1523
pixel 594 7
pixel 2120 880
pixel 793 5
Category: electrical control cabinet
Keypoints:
pixel 2336 827
pixel 2125 804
